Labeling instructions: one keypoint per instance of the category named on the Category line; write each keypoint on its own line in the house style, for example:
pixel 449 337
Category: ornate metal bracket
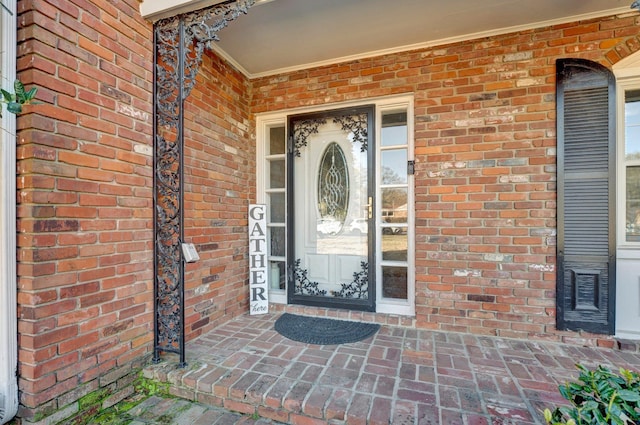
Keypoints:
pixel 179 43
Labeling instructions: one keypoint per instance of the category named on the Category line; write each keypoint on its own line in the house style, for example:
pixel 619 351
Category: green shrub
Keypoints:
pixel 599 397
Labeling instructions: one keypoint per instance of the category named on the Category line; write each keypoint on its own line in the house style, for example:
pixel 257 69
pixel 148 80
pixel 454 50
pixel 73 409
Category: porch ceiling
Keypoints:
pixel 283 35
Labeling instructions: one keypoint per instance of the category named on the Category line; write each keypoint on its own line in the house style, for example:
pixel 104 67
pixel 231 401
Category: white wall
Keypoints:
pixel 8 319
pixel 628 294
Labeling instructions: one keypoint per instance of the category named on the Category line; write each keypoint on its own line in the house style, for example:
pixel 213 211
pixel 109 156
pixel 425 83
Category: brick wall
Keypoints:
pixel 84 201
pixel 485 165
pixel 219 184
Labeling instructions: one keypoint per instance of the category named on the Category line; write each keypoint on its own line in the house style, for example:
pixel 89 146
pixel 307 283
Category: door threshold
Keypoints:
pixel 356 316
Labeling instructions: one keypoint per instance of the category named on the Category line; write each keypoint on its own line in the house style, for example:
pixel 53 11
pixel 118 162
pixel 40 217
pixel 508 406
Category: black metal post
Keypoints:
pixel 180 142
pixel 156 352
pixel 178 44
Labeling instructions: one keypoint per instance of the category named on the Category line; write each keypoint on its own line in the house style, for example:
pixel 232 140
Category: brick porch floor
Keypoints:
pixel 399 376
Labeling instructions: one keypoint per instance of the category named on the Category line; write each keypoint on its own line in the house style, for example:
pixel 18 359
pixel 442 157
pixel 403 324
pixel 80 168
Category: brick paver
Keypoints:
pixel 398 376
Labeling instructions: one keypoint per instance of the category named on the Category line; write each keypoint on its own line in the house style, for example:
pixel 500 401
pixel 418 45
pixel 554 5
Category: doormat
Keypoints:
pixel 323 331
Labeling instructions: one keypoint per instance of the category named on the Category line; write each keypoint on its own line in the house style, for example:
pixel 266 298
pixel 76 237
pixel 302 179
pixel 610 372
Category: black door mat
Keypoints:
pixel 323 331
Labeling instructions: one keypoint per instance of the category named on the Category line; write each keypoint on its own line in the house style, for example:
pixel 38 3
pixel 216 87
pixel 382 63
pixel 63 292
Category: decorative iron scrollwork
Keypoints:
pixel 302 130
pixel 357 125
pixel 356 289
pixel 359 287
pixel 354 124
pixel 179 43
pixel 303 286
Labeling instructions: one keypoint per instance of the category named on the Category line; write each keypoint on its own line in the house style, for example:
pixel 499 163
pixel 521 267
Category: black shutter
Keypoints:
pixel 585 296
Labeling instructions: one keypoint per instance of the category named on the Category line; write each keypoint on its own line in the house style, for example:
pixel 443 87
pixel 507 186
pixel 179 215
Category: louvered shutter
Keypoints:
pixel 586 197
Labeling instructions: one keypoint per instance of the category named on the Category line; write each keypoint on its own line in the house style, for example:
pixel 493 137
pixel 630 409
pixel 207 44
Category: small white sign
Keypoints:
pixel 189 252
pixel 258 281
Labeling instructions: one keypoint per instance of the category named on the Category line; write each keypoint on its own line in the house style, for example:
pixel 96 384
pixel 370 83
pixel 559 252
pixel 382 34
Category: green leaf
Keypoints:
pixel 590 405
pixel 8 97
pixel 599 418
pixel 628 395
pixel 564 392
pixel 20 92
pixel 31 94
pixel 14 107
pixel 568 411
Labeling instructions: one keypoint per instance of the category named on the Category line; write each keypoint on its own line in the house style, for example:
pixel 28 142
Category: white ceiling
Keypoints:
pixel 283 35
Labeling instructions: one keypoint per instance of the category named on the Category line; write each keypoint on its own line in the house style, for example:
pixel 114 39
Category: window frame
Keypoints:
pixel 264 124
pixel 623 85
pixel 395 305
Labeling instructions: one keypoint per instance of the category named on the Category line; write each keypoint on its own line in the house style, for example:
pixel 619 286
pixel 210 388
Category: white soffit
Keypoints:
pixel 285 35
pixel 154 10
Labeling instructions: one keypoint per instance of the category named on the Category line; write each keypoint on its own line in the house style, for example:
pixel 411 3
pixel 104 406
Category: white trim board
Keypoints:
pixel 8 314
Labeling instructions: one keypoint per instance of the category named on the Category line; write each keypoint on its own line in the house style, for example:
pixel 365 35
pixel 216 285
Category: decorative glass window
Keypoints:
pixel 333 186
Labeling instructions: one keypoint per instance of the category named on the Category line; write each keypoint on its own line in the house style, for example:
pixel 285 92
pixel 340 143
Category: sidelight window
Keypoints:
pixel 632 164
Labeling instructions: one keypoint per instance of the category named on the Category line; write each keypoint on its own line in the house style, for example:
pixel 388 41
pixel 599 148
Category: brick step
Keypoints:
pixel 251 394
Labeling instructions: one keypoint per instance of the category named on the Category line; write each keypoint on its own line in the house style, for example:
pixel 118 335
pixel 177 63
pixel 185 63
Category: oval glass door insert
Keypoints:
pixel 333 188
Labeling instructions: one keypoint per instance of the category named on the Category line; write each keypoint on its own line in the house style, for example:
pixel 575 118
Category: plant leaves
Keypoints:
pixel 14 107
pixel 20 92
pixel 564 392
pixel 628 395
pixel 8 97
pixel 599 397
pixel 31 94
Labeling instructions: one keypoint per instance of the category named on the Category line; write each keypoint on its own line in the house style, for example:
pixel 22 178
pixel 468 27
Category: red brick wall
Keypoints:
pixel 219 185
pixel 84 200
pixel 485 164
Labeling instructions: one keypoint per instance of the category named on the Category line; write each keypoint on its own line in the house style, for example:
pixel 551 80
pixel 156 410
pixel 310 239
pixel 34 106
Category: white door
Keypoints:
pixel 331 210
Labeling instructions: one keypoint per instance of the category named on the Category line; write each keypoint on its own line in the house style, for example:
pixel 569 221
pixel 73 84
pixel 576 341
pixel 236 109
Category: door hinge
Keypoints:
pixel 411 167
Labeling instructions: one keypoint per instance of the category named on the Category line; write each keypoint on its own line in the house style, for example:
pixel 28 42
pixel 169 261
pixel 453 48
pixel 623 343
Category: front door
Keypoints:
pixel 330 209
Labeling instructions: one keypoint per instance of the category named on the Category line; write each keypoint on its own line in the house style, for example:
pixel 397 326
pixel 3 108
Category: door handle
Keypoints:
pixel 370 207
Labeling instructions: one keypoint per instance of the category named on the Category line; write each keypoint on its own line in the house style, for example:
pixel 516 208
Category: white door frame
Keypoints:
pixel 627 73
pixel 270 119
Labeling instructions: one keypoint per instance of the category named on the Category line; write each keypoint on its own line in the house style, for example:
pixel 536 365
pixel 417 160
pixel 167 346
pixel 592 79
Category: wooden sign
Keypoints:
pixel 258 282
